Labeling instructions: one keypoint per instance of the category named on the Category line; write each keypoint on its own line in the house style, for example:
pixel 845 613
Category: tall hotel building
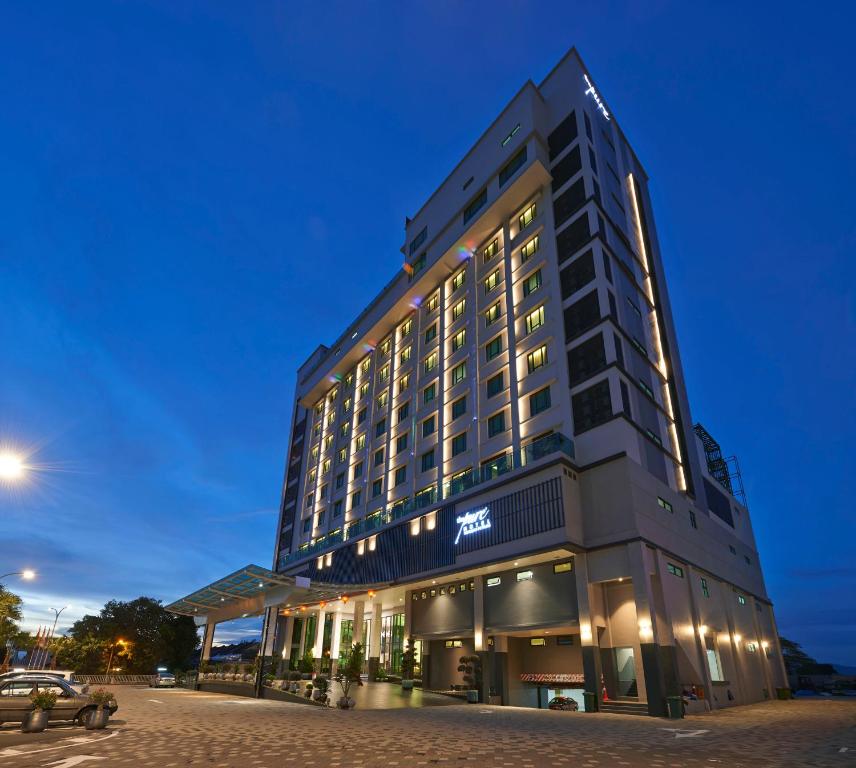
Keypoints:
pixel 497 457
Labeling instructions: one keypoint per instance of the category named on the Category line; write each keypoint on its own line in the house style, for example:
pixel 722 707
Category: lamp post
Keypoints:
pixel 43 657
pixel 112 648
pixel 28 574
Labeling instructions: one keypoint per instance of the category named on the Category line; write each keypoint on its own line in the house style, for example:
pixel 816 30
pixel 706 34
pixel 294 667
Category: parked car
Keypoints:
pixel 163 680
pixel 70 705
pixel 564 703
pixel 62 674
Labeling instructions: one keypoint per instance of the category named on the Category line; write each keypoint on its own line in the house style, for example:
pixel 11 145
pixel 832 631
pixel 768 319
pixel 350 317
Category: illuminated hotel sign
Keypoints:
pixel 472 522
pixel 594 94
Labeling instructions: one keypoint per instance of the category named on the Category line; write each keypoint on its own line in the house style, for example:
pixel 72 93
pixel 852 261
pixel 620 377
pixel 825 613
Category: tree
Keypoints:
pixel 798 662
pixel 151 637
pixel 10 615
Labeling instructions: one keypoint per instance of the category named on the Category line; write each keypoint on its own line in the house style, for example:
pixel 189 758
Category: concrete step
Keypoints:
pixel 625 707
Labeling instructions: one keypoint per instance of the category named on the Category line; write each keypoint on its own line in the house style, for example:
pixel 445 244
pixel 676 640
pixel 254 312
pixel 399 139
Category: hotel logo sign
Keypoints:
pixel 472 522
pixel 592 91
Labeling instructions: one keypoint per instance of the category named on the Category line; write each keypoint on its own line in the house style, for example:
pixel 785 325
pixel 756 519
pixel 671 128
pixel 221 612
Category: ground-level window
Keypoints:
pixel 714 663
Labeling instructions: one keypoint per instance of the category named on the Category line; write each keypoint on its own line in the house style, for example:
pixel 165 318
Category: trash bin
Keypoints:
pixel 676 708
pixel 590 701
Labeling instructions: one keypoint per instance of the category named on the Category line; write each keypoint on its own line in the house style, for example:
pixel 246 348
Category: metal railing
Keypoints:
pixel 114 679
pixel 555 442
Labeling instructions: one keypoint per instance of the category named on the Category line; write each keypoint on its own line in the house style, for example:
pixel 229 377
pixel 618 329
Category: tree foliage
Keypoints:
pixel 151 637
pixel 798 662
pixel 10 615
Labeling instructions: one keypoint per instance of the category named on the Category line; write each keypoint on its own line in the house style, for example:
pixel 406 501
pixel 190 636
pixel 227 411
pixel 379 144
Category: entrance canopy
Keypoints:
pixel 250 590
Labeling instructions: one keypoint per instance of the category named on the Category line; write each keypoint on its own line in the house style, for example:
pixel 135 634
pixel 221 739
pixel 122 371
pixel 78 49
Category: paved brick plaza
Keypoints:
pixel 183 728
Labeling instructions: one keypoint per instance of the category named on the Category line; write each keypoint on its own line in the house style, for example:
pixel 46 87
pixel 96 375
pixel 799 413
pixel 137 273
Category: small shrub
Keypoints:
pixel 102 698
pixel 43 700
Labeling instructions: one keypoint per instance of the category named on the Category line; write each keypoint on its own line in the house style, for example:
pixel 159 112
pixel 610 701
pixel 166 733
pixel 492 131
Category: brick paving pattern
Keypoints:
pixel 184 728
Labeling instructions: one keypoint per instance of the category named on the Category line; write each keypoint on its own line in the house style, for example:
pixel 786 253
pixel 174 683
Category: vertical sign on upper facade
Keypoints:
pixel 592 91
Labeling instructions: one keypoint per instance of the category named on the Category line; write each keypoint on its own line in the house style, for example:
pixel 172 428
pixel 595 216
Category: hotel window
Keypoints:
pixel 400 475
pixel 458 309
pixel 377 488
pixel 693 521
pixel 310 500
pixel 535 319
pixel 321 516
pixel 454 644
pixel 340 480
pixel 331 417
pixel 526 218
pixel 337 508
pixel 310 477
pixel 365 365
pixel 404 412
pixel 532 283
pixel 592 406
pixel 360 442
pixel 356 497
pixel 495 384
pixel 342 455
pixel 349 380
pixel 401 442
pixel 665 504
pixel 428 460
pixel 731 549
pixel 316 430
pixel 432 303
pixel 361 415
pixel 383 373
pixel 385 346
pixel 537 641
pixel 380 428
pixel 459 373
pixel 406 327
pixel 751 648
pixel 675 570
pixel 747 559
pixel 563 567
pixel 459 407
pixel 403 383
pixel 378 457
pixel 307 525
pixel 459 339
pixel 647 390
pixel 382 400
pixel 741 600
pixel 492 281
pixel 475 205
pixel 428 426
pixel 429 393
pixel 539 402
pixel 493 581
pixel 536 359
pixel 319 410
pixel 496 424
pixel 530 249
pixel 332 396
pixel 525 575
pixel 325 466
pixel 358 470
pixel 458 280
pixel 459 444
pixel 493 348
pixel 431 362
pixel 404 357
pixel 492 315
pixel 417 266
pixel 490 251
pixel 431 333
pixel 343 429
pixel 346 405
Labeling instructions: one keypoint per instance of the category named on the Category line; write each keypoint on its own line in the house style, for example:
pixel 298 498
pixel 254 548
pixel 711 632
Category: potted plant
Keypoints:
pixel 319 691
pixel 36 720
pixel 408 662
pixel 308 691
pixel 350 674
pixel 294 681
pixel 306 665
pixel 470 667
pixel 96 718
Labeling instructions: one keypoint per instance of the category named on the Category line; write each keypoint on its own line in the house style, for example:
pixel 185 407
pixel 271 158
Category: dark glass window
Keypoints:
pixel 592 406
pixel 578 273
pixel 582 315
pixel 428 460
pixel 400 475
pixel 337 508
pixel 403 412
pixel 459 443
pixel 401 442
pixel 428 426
pixel 564 133
pixel 496 424
pixel 380 428
pixel 540 401
pixel 418 240
pixel 512 167
pixel 459 407
pixel 377 488
pixel 568 167
pixel 340 479
pixel 475 205
pixel 625 399
pixel 493 348
pixel 572 238
pixel 569 202
pixel 586 359
pixel 430 333
pixel 495 384
pixel 378 457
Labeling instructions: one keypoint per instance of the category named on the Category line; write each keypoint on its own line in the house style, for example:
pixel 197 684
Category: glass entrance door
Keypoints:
pixel 625 672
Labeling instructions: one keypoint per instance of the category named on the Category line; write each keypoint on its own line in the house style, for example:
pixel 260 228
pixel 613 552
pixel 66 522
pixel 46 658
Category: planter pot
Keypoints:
pixel 317 694
pixel 35 721
pixel 406 685
pixel 294 687
pixel 472 697
pixel 346 702
pixel 96 719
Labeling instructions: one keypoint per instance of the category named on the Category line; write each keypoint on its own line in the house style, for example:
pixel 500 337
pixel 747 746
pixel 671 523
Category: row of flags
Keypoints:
pixel 39 654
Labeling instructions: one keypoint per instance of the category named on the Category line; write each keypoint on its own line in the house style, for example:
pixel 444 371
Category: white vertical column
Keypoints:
pixel 479 640
pixel 318 646
pixel 359 612
pixel 208 640
pixel 377 621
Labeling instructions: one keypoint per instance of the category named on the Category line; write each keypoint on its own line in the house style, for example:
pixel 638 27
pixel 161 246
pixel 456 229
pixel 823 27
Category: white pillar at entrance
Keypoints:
pixel 479 640
pixel 335 641
pixel 208 640
pixel 377 621
pixel 285 636
pixel 302 651
pixel 318 647
pixel 359 612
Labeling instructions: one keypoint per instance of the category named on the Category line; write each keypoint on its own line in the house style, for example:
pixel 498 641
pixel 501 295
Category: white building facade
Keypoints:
pixel 497 457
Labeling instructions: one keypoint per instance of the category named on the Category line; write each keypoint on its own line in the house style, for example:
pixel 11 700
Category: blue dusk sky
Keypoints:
pixel 183 182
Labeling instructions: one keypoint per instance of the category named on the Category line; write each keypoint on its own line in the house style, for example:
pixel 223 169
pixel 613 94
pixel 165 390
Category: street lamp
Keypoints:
pixel 112 648
pixel 28 574
pixel 43 657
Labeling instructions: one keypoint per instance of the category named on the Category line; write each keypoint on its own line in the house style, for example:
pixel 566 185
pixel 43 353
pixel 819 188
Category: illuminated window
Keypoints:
pixel 431 333
pixel 325 466
pixel 493 581
pixel 429 393
pixel 454 644
pixel 459 339
pixel 525 575
pixel 432 303
pixel 536 359
pixel 458 280
pixel 713 661
pixel 331 417
pixel 675 570
pixel 310 478
pixel 400 475
pixel 535 319
pixel 741 600
pixel 459 372
pixel 495 384
pixel 385 346
pixel 365 365
pixel 431 362
pixel 492 281
pixel 404 357
pixel 705 590
pixel 343 452
pixel 360 442
pixel 530 249
pixel 540 401
pixel 349 380
pixel 527 217
pixel 403 383
pixel 665 504
pixel 319 410
pixel 496 424
pixel 493 348
pixel 382 399
pixel 459 444
pixel 751 647
pixel 332 395
pixel 563 567
pixel 428 460
pixel 458 309
pixel 532 283
pixel 343 429
pixel 491 250
pixel 346 405
pixel 459 407
pixel 492 315
pixel 378 457
pixel 364 389
pixel 428 426
pixel 406 327
pixel 383 373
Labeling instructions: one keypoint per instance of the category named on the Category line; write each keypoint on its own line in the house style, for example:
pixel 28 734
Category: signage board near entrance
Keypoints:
pixel 472 522
pixel 552 677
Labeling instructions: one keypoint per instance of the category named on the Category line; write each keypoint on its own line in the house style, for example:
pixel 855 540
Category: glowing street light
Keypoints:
pixel 28 574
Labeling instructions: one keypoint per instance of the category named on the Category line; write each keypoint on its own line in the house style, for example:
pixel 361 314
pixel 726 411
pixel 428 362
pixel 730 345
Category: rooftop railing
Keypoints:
pixel 555 442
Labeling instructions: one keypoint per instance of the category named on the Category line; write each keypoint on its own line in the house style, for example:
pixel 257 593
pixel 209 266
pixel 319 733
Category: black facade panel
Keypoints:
pixel 586 359
pixel 592 406
pixel 569 202
pixel 546 598
pixel 442 614
pixel 572 238
pixel 579 273
pixel 582 315
pixel 718 502
pixel 564 133
pixel 568 167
